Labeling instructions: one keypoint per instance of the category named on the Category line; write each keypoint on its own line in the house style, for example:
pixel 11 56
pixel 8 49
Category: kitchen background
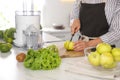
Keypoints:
pixel 52 11
pixel 56 12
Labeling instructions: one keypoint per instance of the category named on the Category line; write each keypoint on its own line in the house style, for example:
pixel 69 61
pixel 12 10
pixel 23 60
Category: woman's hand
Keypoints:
pixel 80 45
pixel 75 26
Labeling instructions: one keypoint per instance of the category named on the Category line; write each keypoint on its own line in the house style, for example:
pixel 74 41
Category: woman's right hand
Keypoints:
pixel 75 26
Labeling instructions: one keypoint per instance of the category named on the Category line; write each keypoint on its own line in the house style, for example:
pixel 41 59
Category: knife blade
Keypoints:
pixel 71 37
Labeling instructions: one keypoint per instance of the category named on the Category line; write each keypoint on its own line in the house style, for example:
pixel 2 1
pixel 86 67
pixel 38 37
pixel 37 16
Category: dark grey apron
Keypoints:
pixel 93 20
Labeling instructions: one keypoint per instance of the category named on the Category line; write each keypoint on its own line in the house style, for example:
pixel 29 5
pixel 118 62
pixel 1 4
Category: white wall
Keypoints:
pixel 55 12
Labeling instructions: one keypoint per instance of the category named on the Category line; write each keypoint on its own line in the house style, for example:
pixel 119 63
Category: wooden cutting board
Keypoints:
pixel 64 53
pixel 69 54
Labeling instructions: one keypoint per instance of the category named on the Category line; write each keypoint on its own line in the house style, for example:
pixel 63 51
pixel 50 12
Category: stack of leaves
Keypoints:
pixel 43 59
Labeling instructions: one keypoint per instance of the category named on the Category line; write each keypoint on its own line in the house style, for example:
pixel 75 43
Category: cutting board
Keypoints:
pixel 70 54
pixel 64 53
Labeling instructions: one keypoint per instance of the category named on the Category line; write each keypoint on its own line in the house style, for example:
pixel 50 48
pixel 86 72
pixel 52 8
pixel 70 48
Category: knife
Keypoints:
pixel 71 37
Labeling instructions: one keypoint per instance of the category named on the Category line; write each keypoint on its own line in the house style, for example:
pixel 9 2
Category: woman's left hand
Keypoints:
pixel 80 45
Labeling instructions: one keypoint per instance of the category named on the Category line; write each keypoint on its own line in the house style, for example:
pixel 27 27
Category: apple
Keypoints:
pixel 117 58
pixel 94 58
pixel 68 45
pixel 116 51
pixel 106 60
pixel 113 65
pixel 116 54
pixel 103 47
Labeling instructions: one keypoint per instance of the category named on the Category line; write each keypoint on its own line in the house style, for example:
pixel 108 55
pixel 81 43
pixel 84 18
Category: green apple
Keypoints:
pixel 113 65
pixel 103 47
pixel 106 60
pixel 68 45
pixel 116 54
pixel 117 58
pixel 116 51
pixel 94 58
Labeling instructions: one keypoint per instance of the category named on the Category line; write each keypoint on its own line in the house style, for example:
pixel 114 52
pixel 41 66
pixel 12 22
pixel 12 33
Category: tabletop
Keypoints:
pixel 10 69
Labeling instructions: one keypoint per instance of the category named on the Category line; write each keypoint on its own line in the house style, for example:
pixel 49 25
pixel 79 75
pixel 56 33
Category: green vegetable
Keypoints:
pixel 53 48
pixel 5 47
pixel 8 35
pixel 1 34
pixel 42 59
pixel 9 40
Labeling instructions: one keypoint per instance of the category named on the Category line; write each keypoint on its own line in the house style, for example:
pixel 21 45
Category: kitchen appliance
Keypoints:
pixel 32 37
pixel 23 20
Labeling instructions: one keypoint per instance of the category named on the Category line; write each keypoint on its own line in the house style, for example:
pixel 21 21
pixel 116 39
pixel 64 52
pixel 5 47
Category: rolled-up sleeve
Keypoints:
pixel 75 10
pixel 114 32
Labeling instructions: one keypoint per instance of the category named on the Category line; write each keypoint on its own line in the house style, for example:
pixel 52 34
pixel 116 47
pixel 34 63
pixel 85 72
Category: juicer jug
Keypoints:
pixel 23 20
pixel 33 37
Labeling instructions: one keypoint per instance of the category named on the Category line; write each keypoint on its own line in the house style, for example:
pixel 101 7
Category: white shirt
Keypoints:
pixel 112 12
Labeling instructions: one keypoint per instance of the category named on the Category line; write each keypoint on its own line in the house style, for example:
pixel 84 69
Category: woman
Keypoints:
pixel 99 19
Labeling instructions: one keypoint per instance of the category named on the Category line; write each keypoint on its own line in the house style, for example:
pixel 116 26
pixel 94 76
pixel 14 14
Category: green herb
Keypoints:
pixel 43 59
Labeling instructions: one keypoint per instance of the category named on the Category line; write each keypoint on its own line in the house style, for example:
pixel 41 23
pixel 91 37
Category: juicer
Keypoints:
pixel 23 20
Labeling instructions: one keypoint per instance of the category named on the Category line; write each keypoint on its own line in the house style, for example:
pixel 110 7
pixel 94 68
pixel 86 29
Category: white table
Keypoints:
pixel 10 69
